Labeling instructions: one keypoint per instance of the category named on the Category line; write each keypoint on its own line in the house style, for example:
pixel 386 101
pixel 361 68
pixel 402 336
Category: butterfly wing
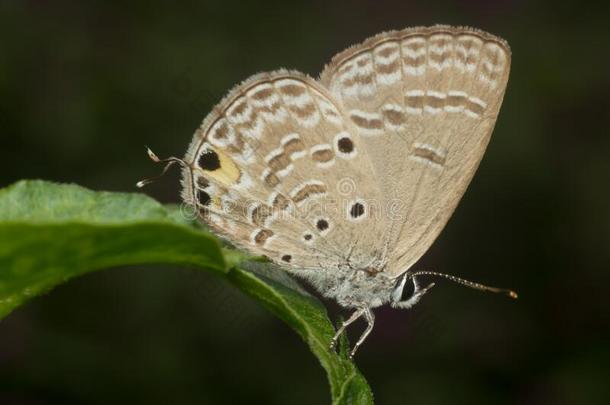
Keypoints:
pixel 425 101
pixel 266 171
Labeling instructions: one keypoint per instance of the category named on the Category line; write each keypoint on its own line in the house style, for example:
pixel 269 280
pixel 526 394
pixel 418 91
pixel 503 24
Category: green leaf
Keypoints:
pixel 50 233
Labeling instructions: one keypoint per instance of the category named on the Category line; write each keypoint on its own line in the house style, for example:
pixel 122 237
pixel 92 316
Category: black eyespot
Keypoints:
pixel 287 258
pixel 345 145
pixel 322 224
pixel 203 198
pixel 308 236
pixel 209 161
pixel 357 210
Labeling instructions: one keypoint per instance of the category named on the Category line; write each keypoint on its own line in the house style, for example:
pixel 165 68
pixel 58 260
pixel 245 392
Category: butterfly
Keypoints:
pixel 347 180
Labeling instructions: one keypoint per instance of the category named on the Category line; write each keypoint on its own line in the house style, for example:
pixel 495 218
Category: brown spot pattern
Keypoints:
pixel 240 106
pixel 414 101
pixel 202 182
pixel 389 68
pixel 262 236
pixel 392 116
pixel 304 111
pixel 280 202
pixel 272 180
pixel 308 191
pixel 415 61
pixel 430 155
pixel 282 160
pixel 440 57
pixel 263 94
pixel 260 214
pixel 293 89
pixel 435 101
pixel 363 61
pixel 388 50
pixel 456 100
pixel 364 80
pixel 293 145
pixel 367 123
pixel 323 155
pixel 222 130
pixel 474 107
pixel 279 162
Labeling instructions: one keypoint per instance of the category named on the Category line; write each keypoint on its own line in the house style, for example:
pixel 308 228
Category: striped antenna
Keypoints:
pixel 471 284
pixel 170 161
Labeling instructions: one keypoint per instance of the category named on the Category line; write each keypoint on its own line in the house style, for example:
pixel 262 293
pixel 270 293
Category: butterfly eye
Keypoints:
pixel 286 258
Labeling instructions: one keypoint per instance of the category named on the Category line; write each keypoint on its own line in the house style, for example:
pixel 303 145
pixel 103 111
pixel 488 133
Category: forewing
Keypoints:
pixel 267 171
pixel 425 101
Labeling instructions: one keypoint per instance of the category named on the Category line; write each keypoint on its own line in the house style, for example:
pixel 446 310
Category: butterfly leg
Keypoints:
pixel 357 314
pixel 370 318
pixel 418 292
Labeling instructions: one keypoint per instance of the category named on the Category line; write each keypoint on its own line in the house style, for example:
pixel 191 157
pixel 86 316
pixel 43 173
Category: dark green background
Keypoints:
pixel 84 85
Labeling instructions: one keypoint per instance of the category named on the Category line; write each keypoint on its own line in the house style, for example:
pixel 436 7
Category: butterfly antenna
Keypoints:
pixel 467 283
pixel 170 161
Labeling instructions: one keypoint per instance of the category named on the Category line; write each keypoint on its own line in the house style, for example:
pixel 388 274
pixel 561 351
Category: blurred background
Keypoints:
pixel 85 85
